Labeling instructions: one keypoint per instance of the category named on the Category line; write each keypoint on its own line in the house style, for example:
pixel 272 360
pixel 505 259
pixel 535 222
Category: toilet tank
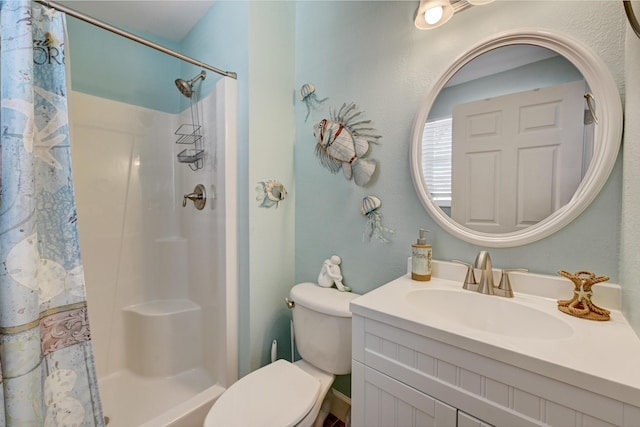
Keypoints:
pixel 322 326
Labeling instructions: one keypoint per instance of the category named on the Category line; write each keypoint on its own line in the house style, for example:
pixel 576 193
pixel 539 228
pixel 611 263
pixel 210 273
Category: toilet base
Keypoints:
pixel 326 380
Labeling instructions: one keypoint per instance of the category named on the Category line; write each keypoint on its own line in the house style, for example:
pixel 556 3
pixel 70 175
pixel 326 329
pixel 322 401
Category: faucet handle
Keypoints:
pixel 470 278
pixel 505 283
pixel 198 197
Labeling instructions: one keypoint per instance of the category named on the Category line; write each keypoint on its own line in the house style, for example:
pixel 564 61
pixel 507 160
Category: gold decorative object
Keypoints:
pixel 580 305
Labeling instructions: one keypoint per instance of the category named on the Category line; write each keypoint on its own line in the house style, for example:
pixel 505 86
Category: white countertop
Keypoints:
pixel 603 357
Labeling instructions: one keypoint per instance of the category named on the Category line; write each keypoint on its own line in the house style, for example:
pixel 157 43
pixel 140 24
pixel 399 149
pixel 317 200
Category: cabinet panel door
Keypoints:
pixel 389 403
pixel 466 420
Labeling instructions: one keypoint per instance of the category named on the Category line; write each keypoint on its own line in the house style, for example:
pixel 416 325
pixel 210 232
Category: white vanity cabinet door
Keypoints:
pixel 466 420
pixel 400 378
pixel 385 402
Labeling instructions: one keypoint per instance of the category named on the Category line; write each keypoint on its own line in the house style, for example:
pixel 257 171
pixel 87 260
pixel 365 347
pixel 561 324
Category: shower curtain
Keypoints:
pixel 47 372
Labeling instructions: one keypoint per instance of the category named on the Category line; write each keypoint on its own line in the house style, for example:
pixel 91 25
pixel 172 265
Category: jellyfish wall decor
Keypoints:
pixel 309 97
pixel 375 228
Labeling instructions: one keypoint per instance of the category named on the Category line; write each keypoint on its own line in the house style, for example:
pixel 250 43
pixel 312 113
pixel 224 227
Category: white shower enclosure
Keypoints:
pixel 161 278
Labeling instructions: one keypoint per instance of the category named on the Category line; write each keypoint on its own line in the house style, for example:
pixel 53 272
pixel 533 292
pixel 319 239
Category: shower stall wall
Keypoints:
pixel 161 278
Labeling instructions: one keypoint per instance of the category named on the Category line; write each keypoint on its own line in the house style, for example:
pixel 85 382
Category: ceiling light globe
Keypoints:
pixel 433 15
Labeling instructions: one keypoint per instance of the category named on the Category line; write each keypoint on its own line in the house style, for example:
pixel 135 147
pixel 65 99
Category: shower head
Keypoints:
pixel 186 87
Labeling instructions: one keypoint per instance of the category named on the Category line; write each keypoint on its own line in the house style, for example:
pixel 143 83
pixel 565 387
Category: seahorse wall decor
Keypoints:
pixel 580 305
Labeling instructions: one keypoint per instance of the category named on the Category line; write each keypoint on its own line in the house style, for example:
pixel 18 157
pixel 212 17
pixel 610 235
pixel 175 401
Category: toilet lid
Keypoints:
pixel 279 394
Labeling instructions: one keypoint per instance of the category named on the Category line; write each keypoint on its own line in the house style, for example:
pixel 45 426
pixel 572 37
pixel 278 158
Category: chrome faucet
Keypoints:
pixel 486 284
pixel 483 262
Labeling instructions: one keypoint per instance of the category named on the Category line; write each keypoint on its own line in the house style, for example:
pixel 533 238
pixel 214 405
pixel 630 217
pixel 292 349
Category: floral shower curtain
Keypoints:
pixel 47 372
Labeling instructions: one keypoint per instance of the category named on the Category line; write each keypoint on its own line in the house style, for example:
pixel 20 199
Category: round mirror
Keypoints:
pixel 516 138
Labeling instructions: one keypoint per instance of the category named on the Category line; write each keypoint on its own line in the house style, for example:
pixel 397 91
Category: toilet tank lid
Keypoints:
pixel 324 300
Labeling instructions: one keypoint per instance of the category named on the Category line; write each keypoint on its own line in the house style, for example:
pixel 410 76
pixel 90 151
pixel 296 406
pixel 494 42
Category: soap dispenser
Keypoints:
pixel 421 259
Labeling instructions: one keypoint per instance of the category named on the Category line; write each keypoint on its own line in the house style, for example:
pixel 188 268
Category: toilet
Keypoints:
pixel 291 394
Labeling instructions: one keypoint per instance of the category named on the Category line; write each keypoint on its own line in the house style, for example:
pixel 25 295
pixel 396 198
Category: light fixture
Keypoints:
pixel 433 13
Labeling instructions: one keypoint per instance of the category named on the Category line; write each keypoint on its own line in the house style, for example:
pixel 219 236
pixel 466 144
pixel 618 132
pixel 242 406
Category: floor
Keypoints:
pixel 333 421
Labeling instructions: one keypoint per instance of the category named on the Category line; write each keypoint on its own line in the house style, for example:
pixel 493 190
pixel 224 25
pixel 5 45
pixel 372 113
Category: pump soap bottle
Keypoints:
pixel 421 259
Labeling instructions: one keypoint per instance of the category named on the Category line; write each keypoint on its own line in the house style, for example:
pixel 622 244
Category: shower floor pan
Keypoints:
pixel 182 400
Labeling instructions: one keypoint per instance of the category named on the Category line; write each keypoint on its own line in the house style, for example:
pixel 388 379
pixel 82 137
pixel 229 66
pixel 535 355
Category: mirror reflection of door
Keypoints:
pixel 508 147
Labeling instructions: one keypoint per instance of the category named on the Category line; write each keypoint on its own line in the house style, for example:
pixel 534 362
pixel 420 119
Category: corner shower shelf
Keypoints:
pixel 190 134
pixel 190 155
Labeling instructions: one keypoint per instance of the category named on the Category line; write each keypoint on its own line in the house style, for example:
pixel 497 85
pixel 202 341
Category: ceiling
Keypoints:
pixel 169 19
pixel 498 60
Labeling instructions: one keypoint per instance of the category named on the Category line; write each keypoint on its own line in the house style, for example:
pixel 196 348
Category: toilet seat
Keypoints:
pixel 279 394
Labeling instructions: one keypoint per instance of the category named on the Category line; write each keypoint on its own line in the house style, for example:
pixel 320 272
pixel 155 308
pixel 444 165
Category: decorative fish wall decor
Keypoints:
pixel 343 141
pixel 270 193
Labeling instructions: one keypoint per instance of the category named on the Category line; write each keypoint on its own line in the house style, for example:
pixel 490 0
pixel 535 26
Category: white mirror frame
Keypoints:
pixel 607 136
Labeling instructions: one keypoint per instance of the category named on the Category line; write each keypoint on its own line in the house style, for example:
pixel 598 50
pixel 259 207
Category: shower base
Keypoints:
pixel 181 400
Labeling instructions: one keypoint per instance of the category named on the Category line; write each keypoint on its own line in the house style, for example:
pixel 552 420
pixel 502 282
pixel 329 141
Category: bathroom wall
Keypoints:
pixel 387 69
pixel 112 67
pixel 373 55
pixel 630 259
pixel 272 137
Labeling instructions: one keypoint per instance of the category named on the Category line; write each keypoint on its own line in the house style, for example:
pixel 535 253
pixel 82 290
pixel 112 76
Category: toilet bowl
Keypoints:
pixel 291 394
pixel 279 394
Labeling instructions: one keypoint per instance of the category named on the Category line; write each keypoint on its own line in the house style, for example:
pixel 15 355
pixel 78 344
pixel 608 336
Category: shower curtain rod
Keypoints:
pixel 135 38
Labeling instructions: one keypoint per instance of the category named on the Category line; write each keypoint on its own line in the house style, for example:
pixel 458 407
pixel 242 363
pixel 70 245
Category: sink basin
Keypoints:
pixel 493 314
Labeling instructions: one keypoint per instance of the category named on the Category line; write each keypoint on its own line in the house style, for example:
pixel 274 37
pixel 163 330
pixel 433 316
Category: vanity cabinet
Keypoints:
pixel 466 420
pixel 402 377
pixel 391 403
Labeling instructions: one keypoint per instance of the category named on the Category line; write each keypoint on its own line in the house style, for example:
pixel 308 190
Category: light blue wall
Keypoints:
pixel 112 67
pixel 372 54
pixel 221 39
pixel 630 259
pixel 272 137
